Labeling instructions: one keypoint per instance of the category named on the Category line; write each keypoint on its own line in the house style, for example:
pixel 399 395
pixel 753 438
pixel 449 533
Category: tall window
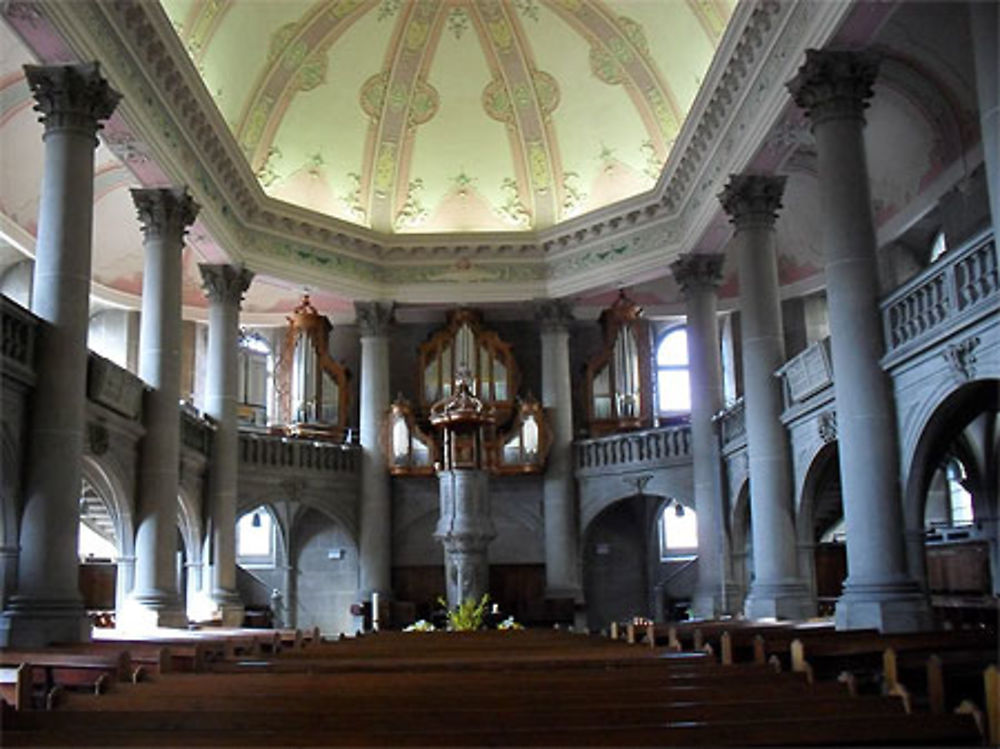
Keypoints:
pixel 959 499
pixel 678 532
pixel 256 369
pixel 939 247
pixel 673 385
pixel 255 538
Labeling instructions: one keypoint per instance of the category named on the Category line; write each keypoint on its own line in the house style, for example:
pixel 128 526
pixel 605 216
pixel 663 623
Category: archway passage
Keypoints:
pixel 823 517
pixel 952 503
pixel 99 547
pixel 616 561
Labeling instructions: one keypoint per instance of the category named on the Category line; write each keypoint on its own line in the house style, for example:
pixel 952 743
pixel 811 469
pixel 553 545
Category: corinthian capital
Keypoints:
pixel 697 271
pixel 375 319
pixel 752 199
pixel 834 83
pixel 553 315
pixel 71 97
pixel 165 212
pixel 225 284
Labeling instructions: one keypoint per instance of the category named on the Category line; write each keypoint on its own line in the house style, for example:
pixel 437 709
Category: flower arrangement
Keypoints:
pixel 421 625
pixel 509 624
pixel 468 615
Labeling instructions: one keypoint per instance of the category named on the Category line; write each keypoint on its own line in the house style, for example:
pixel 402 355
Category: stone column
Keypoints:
pixel 562 577
pixel 833 87
pixel 699 277
pixel 374 323
pixel 224 286
pixel 72 100
pixel 165 215
pixel 752 201
pixel 465 529
pixel 984 21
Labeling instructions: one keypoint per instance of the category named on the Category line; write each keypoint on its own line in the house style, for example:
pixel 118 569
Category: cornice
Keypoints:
pixel 175 122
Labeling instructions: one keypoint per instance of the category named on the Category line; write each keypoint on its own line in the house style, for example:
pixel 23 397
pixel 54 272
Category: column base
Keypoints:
pixel 712 603
pixel 35 623
pixel 151 611
pixel 230 607
pixel 887 607
pixel 788 600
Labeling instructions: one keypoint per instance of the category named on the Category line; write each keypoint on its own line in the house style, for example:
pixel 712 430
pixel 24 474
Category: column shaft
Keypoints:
pixel 985 26
pixel 833 87
pixel 225 286
pixel 155 601
pixel 374 320
pixel 47 605
pixel 562 577
pixel 777 590
pixel 698 276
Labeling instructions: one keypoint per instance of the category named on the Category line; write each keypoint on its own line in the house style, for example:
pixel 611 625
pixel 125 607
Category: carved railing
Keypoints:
pixel 961 285
pixel 17 350
pixel 806 373
pixel 731 423
pixel 273 451
pixel 646 448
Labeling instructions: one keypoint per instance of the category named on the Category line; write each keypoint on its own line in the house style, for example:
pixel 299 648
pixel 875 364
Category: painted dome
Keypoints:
pixel 429 116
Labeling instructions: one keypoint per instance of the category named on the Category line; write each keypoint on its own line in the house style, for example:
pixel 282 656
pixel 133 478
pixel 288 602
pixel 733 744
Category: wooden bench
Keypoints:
pixel 16 686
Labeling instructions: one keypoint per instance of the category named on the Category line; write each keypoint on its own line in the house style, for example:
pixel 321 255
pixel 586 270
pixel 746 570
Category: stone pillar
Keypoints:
pixel 224 286
pixel 72 100
pixel 374 323
pixel 698 277
pixel 752 201
pixel 465 529
pixel 984 21
pixel 562 577
pixel 165 215
pixel 833 88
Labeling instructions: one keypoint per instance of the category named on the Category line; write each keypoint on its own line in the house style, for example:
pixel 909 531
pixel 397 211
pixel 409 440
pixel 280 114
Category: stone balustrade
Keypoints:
pixel 275 451
pixel 647 448
pixel 731 423
pixel 961 285
pixel 17 347
pixel 807 373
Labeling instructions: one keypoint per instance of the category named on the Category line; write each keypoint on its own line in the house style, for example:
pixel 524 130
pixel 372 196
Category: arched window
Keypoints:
pixel 256 369
pixel 678 532
pixel 673 385
pixel 959 499
pixel 255 538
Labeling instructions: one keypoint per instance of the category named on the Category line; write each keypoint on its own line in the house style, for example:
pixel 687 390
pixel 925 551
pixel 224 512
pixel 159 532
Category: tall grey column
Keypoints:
pixel 224 286
pixel 562 576
pixel 699 277
pixel 752 202
pixel 165 215
pixel 72 100
pixel 374 323
pixel 985 26
pixel 833 88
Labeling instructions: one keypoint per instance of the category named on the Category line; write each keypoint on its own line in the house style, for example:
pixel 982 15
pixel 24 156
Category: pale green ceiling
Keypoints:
pixel 452 115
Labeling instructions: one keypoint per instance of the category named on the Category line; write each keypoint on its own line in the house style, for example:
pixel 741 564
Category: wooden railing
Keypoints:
pixel 634 449
pixel 275 451
pixel 961 285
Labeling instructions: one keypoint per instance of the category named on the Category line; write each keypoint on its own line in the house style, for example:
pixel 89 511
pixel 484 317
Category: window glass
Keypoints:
pixel 255 537
pixel 673 386
pixel 939 247
pixel 959 498
pixel 678 531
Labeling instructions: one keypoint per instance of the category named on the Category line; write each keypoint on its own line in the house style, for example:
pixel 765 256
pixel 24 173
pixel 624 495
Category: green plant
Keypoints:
pixel 468 615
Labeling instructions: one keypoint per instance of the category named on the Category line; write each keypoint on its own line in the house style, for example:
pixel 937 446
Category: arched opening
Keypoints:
pixel 99 549
pixel 951 503
pixel 742 550
pixel 326 573
pixel 673 385
pixel 822 534
pixel 617 561
pixel 261 566
pixel 676 540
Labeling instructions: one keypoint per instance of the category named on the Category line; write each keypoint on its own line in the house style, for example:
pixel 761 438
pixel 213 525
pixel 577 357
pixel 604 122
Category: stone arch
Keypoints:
pixel 820 507
pixel 939 426
pixel 742 540
pixel 616 559
pixel 104 479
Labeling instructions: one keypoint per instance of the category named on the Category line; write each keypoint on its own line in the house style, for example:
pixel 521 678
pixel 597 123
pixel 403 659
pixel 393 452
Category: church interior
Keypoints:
pixel 666 331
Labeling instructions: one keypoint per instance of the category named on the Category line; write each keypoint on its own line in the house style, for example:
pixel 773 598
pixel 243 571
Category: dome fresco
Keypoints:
pixel 430 116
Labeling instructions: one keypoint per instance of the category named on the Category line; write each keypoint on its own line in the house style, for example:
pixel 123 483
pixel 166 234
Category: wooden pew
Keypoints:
pixel 16 686
pixel 68 669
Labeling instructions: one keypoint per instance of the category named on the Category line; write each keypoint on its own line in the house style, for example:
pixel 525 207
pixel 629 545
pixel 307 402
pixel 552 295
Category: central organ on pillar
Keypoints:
pixel 517 438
